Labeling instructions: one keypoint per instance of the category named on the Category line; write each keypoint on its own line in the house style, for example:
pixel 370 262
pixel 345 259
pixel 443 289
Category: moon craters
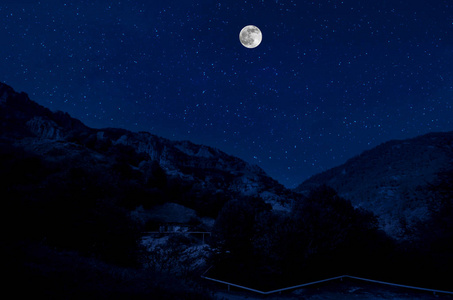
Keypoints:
pixel 250 36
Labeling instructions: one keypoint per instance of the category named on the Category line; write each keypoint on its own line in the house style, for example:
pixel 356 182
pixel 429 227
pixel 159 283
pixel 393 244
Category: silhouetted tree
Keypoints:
pixel 155 176
pixel 234 225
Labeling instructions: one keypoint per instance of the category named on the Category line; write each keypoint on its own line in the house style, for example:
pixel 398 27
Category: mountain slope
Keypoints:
pixel 392 180
pixel 29 125
pixel 92 193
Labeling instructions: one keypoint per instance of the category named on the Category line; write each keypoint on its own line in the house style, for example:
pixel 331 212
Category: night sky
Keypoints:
pixel 329 80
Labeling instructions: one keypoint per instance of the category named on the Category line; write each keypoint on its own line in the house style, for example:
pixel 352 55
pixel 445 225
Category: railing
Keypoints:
pixel 319 281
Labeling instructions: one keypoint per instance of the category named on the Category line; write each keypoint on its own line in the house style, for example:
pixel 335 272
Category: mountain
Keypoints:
pixel 86 196
pixel 198 168
pixel 76 202
pixel 392 180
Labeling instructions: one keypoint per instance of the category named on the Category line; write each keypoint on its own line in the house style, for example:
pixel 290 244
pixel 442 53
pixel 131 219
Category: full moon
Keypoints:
pixel 250 36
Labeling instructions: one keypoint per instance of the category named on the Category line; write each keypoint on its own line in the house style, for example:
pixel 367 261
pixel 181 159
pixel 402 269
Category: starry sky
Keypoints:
pixel 329 80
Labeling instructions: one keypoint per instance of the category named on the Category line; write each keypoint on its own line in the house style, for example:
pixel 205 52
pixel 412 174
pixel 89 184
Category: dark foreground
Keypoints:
pixel 339 290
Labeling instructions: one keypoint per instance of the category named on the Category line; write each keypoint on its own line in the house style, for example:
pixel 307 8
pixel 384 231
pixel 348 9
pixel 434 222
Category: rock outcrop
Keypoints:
pixel 45 128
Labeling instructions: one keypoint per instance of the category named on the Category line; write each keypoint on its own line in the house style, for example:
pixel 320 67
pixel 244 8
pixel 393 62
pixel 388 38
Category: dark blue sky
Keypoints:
pixel 329 80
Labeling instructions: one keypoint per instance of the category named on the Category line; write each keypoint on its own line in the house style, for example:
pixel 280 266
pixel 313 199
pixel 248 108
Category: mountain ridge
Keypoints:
pixel 97 191
pixel 392 180
pixel 29 124
pixel 389 180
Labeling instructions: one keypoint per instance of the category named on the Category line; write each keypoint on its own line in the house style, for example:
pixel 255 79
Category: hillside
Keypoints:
pixel 392 180
pixel 202 170
pixel 87 196
pixel 78 201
